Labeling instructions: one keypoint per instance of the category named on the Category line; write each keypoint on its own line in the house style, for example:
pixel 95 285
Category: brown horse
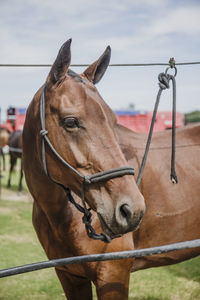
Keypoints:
pixel 4 136
pixel 15 152
pixel 172 210
pixel 172 213
pixel 69 142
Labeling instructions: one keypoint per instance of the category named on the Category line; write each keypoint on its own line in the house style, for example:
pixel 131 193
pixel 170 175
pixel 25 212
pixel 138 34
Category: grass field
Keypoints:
pixel 19 245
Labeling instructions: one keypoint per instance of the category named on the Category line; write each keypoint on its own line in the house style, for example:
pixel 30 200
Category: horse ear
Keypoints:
pixel 61 64
pixel 95 71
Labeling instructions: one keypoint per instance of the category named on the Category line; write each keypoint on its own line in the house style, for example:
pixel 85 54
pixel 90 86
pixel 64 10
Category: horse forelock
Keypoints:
pixel 75 75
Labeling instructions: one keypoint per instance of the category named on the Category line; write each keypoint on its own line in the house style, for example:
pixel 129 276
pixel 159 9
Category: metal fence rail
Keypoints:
pixel 99 257
pixel 110 65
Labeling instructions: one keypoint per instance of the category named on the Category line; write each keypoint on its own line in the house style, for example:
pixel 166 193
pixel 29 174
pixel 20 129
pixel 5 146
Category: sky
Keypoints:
pixel 138 31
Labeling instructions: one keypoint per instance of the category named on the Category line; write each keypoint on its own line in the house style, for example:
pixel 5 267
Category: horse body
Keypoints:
pixel 84 131
pixel 172 213
pixel 4 136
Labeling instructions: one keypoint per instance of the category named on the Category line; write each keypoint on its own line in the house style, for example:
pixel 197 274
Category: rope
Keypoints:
pixel 173 175
pixel 99 257
pixel 164 79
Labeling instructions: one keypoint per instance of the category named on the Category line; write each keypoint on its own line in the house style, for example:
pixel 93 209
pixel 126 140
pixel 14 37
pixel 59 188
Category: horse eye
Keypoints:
pixel 70 122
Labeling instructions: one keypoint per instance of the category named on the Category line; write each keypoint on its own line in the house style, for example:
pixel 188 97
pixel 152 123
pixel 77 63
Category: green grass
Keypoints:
pixel 19 245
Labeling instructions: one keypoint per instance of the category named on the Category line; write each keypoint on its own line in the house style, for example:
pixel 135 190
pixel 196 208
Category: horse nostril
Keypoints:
pixel 141 214
pixel 126 211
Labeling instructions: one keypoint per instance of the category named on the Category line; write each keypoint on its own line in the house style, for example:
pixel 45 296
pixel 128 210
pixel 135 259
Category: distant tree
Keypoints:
pixel 193 116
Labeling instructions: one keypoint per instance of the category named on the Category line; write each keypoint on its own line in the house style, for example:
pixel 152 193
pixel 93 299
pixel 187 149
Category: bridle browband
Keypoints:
pixel 88 179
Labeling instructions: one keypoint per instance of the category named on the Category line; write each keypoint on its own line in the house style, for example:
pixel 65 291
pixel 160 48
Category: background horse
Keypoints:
pixel 15 152
pixel 172 213
pixel 68 118
pixel 4 136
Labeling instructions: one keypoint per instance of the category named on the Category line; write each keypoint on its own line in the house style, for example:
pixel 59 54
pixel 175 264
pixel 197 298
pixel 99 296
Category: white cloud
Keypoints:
pixel 183 20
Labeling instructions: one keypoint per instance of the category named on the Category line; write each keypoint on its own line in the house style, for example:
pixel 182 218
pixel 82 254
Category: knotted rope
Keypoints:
pixel 164 80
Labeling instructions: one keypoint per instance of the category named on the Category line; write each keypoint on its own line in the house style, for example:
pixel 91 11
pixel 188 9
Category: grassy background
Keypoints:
pixel 19 245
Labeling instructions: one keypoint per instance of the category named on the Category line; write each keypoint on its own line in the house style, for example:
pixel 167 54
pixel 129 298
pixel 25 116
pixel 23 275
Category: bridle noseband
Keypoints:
pixel 86 180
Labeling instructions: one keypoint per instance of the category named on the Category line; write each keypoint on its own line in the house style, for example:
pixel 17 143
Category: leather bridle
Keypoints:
pixel 88 179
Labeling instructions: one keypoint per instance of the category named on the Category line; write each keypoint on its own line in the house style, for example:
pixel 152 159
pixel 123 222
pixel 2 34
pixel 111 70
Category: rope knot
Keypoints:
pixel 172 62
pixel 87 218
pixel 164 81
pixel 87 179
pixel 43 132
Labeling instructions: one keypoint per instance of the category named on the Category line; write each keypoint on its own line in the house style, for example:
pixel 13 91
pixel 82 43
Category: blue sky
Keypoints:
pixel 140 31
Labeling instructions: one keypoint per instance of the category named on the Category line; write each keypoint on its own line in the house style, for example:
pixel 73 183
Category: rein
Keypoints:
pixel 86 180
pixel 164 80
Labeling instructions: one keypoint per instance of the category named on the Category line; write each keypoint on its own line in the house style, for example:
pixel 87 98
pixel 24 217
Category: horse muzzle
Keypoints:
pixel 124 218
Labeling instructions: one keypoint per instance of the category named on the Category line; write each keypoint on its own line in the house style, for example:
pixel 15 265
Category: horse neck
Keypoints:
pixel 50 201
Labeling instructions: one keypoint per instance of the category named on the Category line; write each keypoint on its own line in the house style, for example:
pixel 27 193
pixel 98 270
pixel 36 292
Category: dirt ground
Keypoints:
pixel 24 196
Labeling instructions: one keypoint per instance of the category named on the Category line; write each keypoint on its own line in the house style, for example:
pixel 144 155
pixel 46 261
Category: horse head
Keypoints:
pixel 80 126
